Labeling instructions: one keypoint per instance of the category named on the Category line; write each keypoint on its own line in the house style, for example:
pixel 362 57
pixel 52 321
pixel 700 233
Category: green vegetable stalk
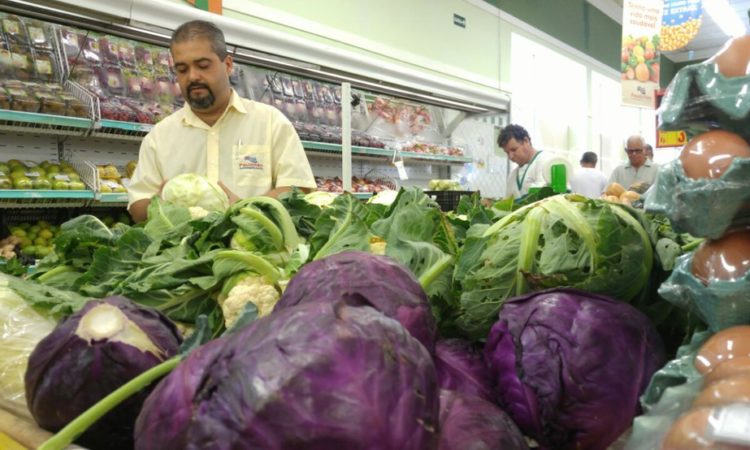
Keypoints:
pixel 65 437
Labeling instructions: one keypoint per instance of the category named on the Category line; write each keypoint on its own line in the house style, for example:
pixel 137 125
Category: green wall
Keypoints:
pixel 419 33
pixel 574 22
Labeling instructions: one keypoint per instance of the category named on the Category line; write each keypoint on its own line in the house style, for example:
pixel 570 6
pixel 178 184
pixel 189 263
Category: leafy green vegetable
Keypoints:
pixel 341 227
pixel 560 241
pixel 303 214
pixel 56 302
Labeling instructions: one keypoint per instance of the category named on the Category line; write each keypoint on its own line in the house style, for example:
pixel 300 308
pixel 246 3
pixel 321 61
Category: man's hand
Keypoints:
pixel 232 196
pixel 139 209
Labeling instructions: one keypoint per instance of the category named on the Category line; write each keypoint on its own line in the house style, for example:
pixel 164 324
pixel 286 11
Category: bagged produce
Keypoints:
pixel 705 207
pixel 714 281
pixel 21 329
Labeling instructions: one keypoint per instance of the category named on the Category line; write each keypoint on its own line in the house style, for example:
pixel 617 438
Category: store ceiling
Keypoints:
pixel 710 37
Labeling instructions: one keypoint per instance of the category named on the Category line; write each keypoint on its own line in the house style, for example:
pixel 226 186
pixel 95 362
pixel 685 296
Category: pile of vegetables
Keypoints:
pixel 344 324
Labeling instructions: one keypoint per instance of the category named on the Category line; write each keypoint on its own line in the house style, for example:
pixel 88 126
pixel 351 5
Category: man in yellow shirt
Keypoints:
pixel 247 147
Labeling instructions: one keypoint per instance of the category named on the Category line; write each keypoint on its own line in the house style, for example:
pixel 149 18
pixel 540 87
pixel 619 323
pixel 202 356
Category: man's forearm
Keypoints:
pixel 139 210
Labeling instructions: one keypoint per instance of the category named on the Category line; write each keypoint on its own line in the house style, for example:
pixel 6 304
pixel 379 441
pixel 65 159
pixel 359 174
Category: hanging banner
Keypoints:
pixel 213 6
pixel 680 23
pixel 641 22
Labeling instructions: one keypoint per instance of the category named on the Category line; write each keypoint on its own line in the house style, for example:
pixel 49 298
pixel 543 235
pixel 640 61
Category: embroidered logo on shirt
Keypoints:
pixel 250 162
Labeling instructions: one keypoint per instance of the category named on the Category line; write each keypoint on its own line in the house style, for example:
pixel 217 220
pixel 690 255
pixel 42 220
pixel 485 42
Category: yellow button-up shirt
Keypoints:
pixel 252 149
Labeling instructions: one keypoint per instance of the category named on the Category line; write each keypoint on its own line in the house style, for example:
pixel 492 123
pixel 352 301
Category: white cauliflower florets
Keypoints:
pixel 253 289
pixel 196 212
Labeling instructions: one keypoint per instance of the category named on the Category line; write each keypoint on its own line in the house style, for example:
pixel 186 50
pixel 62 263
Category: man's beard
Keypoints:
pixel 201 102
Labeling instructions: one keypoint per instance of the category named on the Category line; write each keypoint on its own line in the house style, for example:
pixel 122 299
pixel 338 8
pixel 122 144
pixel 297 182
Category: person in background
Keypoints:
pixel 588 180
pixel 638 169
pixel 649 150
pixel 247 147
pixel 515 141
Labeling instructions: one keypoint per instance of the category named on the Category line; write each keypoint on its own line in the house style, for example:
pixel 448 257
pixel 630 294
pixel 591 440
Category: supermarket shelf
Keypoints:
pixel 113 199
pixel 42 198
pixel 121 130
pixel 43 123
pixel 370 151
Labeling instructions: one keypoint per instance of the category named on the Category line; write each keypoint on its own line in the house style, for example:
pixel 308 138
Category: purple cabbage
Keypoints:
pixel 570 365
pixel 364 279
pixel 316 376
pixel 90 354
pixel 460 367
pixel 469 422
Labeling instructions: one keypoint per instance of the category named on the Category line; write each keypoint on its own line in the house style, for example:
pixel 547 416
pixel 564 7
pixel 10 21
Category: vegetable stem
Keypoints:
pixel 81 423
pixel 434 271
pixel 692 245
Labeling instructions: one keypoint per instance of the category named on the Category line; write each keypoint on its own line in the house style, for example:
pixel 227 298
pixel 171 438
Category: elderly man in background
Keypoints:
pixel 638 169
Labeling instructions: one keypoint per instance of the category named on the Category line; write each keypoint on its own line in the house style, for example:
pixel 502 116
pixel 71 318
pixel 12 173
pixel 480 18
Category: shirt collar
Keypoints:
pixel 648 163
pixel 235 102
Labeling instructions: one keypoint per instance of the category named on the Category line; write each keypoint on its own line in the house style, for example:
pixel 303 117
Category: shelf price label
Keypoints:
pixel 398 161
pixel 671 138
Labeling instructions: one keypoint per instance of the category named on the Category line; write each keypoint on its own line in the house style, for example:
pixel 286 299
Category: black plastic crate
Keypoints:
pixel 448 200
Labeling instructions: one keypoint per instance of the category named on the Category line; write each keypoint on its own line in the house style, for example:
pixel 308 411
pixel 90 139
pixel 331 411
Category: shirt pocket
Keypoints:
pixel 251 165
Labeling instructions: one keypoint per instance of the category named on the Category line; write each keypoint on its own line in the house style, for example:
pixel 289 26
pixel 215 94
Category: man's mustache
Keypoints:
pixel 198 85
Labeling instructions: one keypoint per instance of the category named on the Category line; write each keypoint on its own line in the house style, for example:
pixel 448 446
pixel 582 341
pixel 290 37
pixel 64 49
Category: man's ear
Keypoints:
pixel 229 63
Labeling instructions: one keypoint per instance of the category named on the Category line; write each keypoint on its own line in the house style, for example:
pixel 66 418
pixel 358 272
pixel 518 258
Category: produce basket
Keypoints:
pixel 448 200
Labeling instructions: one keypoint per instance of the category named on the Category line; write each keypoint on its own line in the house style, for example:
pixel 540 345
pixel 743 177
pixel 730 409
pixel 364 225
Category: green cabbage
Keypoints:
pixel 190 189
pixel 572 241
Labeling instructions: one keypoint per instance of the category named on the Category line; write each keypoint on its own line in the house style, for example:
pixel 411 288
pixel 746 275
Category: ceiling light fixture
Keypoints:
pixel 725 17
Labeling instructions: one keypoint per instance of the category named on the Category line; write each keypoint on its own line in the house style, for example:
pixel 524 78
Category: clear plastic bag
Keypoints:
pixel 721 304
pixel 21 328
pixel 704 207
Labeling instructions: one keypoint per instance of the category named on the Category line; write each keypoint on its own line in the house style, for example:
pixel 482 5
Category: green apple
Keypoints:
pixel 76 186
pixel 60 185
pixel 22 183
pixel 41 183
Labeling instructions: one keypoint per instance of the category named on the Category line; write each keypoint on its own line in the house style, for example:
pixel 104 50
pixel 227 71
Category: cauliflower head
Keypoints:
pixel 254 289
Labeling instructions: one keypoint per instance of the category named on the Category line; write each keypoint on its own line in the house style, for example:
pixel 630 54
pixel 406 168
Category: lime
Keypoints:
pixel 41 252
pixel 34 228
pixel 25 242
pixel 43 224
pixel 40 241
pixel 29 250
pixel 46 234
pixel 18 232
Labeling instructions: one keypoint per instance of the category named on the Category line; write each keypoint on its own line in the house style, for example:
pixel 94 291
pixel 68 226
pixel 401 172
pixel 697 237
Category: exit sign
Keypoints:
pixel 459 21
